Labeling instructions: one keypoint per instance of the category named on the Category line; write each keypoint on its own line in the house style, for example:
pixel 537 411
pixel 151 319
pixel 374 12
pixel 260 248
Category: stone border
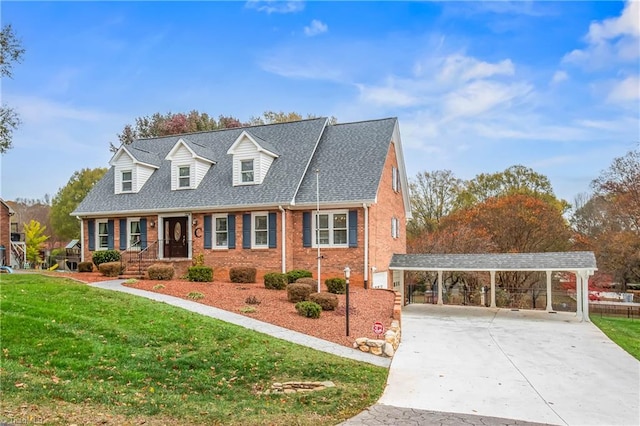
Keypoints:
pixel 388 346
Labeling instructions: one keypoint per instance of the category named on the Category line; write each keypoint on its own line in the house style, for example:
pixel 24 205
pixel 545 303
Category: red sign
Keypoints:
pixel 378 328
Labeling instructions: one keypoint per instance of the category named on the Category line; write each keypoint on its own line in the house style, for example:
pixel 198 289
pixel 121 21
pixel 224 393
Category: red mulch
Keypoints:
pixel 365 306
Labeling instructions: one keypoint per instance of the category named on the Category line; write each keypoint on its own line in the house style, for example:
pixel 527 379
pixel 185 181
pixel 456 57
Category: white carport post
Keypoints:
pixel 584 278
pixel 578 294
pixel 493 288
pixel 549 304
pixel 439 287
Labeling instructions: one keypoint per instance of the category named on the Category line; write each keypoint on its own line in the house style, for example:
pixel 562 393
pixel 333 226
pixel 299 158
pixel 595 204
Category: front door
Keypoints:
pixel 175 237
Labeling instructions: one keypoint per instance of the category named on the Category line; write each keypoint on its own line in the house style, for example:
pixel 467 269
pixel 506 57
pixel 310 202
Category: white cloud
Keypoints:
pixel 316 27
pixel 461 68
pixel 386 95
pixel 611 41
pixel 479 97
pixel 275 6
pixel 36 110
pixel 559 76
pixel 625 90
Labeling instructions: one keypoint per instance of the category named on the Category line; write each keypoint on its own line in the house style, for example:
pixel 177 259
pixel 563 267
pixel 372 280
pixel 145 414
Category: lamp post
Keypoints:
pixel 347 274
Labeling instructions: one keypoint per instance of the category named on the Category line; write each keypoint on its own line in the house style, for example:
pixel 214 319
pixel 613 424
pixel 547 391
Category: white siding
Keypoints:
pixel 123 163
pixel 182 157
pixel 264 164
pixel 245 150
pixel 201 168
pixel 141 175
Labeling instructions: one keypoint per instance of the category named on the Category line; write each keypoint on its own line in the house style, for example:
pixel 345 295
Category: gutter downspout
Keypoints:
pixel 81 238
pixel 366 246
pixel 284 240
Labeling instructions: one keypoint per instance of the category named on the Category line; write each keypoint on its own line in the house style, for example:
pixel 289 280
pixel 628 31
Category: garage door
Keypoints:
pixel 380 280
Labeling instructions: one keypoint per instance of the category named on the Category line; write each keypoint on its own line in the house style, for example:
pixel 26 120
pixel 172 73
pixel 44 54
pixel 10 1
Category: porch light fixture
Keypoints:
pixel 195 222
pixel 152 224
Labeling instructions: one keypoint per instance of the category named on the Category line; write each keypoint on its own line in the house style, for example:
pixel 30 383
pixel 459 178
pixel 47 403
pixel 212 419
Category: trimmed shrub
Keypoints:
pixel 292 276
pixel 336 285
pixel 104 256
pixel 111 269
pixel 160 271
pixel 308 309
pixel 328 301
pixel 242 275
pixel 313 284
pixel 202 274
pixel 298 292
pixel 275 281
pixel 85 267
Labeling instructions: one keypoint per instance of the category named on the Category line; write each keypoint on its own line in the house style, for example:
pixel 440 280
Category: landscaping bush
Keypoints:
pixel 195 295
pixel 298 292
pixel 336 285
pixel 160 271
pixel 200 274
pixel 313 284
pixel 252 300
pixel 104 256
pixel 85 267
pixel 328 301
pixel 275 281
pixel 308 309
pixel 292 276
pixel 242 275
pixel 111 269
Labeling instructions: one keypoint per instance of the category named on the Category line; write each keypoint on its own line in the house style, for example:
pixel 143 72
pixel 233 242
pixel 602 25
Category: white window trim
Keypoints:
pixel 129 246
pixel 214 232
pixel 394 178
pixel 253 170
pixel 395 227
pixel 180 166
pixel 122 181
pixel 97 236
pixel 315 230
pixel 253 230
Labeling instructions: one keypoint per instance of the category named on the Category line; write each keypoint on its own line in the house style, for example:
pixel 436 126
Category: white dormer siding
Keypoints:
pixel 246 149
pixel 181 157
pixel 123 162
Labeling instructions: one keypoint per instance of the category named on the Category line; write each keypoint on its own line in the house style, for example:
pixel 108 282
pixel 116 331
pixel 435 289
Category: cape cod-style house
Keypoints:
pixel 263 196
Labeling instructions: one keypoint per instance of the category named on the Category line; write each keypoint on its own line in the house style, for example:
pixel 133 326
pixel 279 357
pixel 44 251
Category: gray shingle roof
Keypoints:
pixel 350 158
pixel 557 261
pixel 145 156
pixel 200 150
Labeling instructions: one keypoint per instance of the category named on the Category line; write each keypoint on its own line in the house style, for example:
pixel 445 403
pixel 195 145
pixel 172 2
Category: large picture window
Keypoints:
pixel 332 228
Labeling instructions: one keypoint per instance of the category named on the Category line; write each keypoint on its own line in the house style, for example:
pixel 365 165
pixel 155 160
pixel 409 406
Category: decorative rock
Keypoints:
pixel 387 350
pixel 361 341
pixel 375 343
pixel 376 351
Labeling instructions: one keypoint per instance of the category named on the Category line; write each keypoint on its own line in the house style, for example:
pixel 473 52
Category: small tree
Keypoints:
pixel 35 238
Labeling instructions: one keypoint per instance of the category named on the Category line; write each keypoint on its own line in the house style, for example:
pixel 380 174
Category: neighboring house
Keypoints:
pixel 248 197
pixel 5 232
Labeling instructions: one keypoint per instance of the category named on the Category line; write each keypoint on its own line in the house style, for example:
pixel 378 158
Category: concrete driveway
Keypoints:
pixel 525 365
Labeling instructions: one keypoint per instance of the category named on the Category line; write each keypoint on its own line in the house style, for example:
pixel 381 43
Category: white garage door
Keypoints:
pixel 380 280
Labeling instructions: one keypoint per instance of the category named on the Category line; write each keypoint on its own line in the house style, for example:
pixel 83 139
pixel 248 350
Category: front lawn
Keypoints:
pixel 623 331
pixel 76 354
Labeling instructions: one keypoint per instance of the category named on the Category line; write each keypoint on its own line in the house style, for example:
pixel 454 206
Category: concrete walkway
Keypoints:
pixel 250 323
pixel 527 365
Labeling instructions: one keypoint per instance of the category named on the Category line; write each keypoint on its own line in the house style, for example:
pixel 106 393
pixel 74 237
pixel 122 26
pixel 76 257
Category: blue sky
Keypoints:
pixel 477 86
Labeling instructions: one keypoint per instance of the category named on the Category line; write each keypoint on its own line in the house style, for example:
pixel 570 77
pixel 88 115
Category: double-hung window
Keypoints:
pixel 127 181
pixel 222 232
pixel 332 229
pixel 260 230
pixel 102 236
pixel 246 171
pixel 134 234
pixel 184 177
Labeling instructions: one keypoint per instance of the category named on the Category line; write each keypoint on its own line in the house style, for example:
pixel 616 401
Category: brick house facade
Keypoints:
pixel 250 197
pixel 5 232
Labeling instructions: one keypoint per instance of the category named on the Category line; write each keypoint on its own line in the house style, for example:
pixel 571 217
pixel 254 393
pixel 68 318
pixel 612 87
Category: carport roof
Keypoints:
pixel 555 261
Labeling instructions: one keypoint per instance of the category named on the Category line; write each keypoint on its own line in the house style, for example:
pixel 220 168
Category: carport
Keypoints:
pixel 580 263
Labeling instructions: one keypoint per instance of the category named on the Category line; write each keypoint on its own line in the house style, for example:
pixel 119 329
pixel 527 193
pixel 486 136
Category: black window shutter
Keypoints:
pixel 306 229
pixel 143 233
pixel 110 230
pixel 353 228
pixel 207 231
pixel 273 231
pixel 91 225
pixel 231 229
pixel 123 234
pixel 246 230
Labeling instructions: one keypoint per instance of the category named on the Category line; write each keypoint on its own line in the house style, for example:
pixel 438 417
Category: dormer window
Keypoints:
pixel 246 167
pixel 127 181
pixel 184 179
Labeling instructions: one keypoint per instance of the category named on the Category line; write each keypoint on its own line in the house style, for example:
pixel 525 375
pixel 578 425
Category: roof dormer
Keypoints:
pixel 133 167
pixel 189 163
pixel 252 158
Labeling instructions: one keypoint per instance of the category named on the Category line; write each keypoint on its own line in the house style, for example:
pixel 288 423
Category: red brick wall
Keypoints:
pixel 5 232
pixel 152 233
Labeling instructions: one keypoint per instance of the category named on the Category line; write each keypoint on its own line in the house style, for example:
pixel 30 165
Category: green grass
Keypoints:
pixel 623 331
pixel 68 344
